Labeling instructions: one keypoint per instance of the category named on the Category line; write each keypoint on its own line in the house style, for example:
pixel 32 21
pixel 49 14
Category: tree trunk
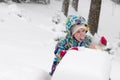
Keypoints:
pixel 94 13
pixel 1 0
pixel 16 1
pixel 65 7
pixel 75 4
pixel 116 1
pixel 48 1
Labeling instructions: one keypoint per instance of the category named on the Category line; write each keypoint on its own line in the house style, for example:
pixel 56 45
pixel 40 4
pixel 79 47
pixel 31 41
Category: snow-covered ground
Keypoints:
pixel 27 36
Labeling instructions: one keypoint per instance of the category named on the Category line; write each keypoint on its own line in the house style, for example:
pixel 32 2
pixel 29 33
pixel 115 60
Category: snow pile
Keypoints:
pixel 85 64
pixel 24 73
pixel 115 72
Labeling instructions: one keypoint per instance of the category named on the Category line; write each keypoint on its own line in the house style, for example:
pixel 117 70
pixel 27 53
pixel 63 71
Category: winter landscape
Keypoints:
pixel 28 34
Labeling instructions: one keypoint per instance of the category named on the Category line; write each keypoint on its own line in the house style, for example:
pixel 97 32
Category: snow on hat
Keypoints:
pixel 73 20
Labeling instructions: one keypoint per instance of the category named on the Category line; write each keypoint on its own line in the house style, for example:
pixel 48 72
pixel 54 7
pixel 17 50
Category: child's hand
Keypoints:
pixel 92 46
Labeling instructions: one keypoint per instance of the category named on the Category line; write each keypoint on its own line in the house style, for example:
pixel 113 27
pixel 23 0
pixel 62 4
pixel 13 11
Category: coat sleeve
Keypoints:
pixel 88 41
pixel 61 49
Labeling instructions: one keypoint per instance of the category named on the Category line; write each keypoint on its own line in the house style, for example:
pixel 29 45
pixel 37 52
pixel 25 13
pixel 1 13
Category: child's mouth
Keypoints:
pixel 82 37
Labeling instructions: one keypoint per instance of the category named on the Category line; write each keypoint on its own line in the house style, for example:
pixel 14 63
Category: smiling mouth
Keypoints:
pixel 82 37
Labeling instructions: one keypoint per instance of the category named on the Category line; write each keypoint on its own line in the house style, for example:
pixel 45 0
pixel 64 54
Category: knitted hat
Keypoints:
pixel 76 28
pixel 73 20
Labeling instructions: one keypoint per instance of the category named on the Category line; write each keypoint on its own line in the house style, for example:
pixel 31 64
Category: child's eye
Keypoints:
pixel 78 31
pixel 83 30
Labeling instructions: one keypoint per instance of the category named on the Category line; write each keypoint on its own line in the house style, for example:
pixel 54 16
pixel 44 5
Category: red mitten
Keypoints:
pixel 103 41
pixel 62 53
pixel 74 48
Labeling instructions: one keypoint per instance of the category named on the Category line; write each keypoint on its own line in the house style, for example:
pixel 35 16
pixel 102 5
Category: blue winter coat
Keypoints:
pixel 64 44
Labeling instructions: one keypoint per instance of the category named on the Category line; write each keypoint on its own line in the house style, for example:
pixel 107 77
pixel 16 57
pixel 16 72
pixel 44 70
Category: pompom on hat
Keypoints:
pixel 73 20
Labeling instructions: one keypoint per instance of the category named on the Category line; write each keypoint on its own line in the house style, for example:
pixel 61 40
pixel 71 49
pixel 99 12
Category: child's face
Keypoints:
pixel 80 34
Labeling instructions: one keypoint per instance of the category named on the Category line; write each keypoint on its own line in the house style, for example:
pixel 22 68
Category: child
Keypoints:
pixel 77 28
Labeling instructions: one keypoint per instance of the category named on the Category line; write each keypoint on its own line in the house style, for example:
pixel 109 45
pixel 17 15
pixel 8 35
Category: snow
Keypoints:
pixel 27 37
pixel 24 73
pixel 96 65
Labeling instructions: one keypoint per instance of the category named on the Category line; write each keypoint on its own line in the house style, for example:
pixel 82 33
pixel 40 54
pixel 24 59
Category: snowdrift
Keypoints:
pixel 24 73
pixel 84 64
